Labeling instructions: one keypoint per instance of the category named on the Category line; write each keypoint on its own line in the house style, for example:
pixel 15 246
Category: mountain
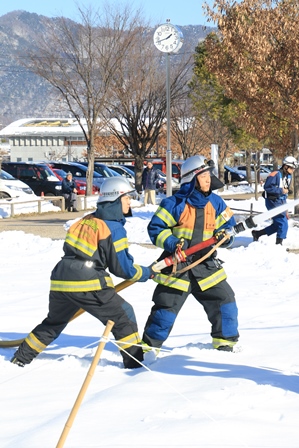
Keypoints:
pixel 22 93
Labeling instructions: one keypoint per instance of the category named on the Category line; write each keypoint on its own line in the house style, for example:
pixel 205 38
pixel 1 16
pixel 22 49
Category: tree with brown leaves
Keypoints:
pixel 254 57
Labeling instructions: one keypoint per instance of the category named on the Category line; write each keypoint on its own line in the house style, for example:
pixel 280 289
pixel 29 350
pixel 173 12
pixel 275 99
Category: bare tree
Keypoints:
pixel 80 61
pixel 187 129
pixel 215 112
pixel 137 109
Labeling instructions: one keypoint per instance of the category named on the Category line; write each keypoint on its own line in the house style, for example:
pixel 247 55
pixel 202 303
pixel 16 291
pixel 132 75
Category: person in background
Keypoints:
pixel 149 179
pixel 69 191
pixel 193 215
pixel 276 190
pixel 80 280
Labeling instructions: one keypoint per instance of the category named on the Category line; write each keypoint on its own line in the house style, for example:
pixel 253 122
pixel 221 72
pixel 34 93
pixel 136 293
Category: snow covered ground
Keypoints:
pixel 192 395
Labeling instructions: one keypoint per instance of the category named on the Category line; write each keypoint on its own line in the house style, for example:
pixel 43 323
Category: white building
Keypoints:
pixel 42 139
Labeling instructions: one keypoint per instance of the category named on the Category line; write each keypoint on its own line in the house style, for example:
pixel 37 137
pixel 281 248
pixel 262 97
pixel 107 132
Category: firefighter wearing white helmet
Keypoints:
pixel 114 187
pixel 276 191
pixel 290 161
pixel 193 166
pixel 191 216
pixel 80 280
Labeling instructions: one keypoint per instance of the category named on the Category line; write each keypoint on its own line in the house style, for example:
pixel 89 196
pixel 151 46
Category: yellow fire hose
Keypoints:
pixel 17 342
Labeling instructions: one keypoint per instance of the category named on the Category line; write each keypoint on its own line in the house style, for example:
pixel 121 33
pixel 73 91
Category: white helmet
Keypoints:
pixel 194 166
pixel 113 188
pixel 290 161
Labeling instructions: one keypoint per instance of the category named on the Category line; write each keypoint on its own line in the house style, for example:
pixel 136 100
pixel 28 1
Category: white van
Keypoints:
pixel 13 188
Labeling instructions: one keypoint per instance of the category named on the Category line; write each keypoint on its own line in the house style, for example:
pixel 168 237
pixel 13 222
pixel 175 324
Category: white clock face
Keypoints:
pixel 167 38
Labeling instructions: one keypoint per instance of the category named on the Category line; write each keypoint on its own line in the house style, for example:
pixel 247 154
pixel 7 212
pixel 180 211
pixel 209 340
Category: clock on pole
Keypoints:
pixel 169 39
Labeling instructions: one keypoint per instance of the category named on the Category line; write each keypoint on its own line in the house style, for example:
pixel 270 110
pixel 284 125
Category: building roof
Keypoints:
pixel 43 127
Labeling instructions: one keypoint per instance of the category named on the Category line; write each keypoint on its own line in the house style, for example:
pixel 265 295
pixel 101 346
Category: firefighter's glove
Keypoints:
pixel 224 233
pixel 220 235
pixel 152 269
pixel 179 253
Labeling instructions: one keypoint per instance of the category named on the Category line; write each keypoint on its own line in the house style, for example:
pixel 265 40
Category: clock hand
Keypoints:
pixel 165 38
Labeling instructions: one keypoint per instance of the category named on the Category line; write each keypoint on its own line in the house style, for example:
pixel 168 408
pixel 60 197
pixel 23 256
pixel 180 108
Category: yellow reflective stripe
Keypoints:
pixel 219 342
pixel 224 217
pixel 128 341
pixel 109 282
pixel 172 282
pixel 183 232
pixel 163 214
pixel 138 274
pixel 75 286
pixel 162 237
pixel 147 348
pixel 80 244
pixel 120 245
pixel 219 221
pixel 212 280
pixel 207 234
pixel 34 343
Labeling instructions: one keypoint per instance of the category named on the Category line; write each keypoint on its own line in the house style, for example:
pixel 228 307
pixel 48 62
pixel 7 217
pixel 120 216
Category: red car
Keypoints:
pixel 81 185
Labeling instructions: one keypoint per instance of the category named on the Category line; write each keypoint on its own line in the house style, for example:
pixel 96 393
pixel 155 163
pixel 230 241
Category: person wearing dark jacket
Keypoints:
pixel 94 243
pixel 149 179
pixel 69 191
pixel 276 190
pixel 193 215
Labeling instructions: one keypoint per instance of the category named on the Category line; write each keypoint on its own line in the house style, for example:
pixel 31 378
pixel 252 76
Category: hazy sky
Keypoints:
pixel 180 12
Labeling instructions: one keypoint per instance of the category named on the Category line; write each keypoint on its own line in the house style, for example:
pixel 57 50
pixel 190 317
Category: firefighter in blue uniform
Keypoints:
pixel 94 243
pixel 192 215
pixel 277 188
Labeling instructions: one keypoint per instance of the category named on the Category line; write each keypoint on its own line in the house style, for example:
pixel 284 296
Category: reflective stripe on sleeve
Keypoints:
pixel 121 244
pixel 166 217
pixel 138 274
pixel 162 237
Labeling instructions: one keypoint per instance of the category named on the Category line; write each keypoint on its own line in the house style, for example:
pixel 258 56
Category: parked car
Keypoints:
pixel 80 184
pixel 175 184
pixel 101 168
pixel 38 176
pixel 264 172
pixel 231 175
pixel 268 166
pixel 78 171
pixel 13 188
pixel 125 172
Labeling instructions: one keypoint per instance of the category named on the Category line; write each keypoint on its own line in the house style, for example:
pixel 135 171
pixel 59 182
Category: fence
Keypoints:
pixel 82 202
pixel 12 203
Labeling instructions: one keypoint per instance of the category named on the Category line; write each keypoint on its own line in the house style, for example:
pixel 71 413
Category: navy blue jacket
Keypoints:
pixel 68 186
pixel 149 179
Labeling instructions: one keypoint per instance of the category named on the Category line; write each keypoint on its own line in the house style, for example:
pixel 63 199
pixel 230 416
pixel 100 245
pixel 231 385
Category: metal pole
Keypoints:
pixel 168 151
